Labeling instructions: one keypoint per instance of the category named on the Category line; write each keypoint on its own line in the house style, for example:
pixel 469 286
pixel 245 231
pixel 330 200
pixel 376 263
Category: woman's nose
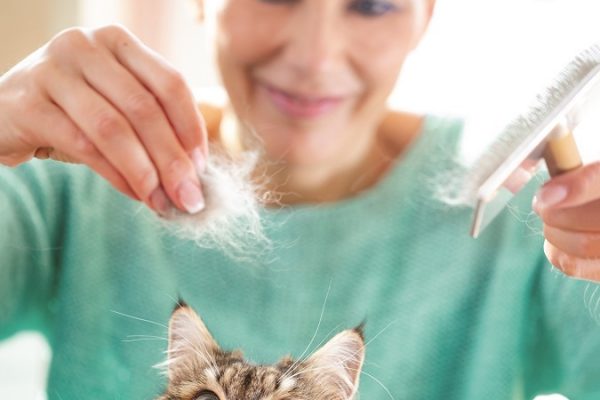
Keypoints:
pixel 314 42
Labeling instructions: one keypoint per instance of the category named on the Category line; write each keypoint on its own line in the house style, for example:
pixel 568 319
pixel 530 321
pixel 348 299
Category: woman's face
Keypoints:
pixel 311 77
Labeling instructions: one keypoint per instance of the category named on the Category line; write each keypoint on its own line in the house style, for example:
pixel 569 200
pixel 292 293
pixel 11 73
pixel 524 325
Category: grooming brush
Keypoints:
pixel 543 133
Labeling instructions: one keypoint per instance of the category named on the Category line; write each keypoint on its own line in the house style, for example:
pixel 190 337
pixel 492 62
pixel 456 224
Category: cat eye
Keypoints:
pixel 207 395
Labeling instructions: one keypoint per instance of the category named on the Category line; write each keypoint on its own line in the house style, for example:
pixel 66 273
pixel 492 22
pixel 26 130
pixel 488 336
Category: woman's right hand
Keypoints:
pixel 102 98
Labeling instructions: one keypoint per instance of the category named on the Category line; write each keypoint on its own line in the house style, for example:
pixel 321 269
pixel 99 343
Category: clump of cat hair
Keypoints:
pixel 231 219
pixel 198 369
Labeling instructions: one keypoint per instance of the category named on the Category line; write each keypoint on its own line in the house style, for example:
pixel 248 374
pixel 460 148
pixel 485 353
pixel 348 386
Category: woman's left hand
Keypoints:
pixel 569 206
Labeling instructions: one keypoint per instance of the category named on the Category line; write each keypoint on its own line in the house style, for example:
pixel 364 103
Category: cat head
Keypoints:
pixel 198 369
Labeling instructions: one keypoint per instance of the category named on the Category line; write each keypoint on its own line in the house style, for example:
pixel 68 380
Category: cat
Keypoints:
pixel 198 369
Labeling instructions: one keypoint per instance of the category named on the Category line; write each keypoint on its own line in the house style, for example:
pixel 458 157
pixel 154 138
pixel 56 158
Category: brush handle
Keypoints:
pixel 561 154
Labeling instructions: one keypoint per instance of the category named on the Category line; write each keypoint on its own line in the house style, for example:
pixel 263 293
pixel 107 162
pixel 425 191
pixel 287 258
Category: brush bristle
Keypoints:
pixel 465 184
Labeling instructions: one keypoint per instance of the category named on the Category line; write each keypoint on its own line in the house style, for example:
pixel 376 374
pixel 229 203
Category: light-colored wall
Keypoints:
pixel 26 24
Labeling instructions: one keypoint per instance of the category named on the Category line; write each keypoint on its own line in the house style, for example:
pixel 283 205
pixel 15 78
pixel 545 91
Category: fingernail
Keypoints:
pixel 160 202
pixel 534 205
pixel 198 159
pixel 550 196
pixel 191 197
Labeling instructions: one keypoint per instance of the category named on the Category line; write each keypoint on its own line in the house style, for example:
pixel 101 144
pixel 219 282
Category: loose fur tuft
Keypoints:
pixel 231 219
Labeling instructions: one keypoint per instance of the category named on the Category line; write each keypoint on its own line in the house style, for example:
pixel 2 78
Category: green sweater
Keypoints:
pixel 447 317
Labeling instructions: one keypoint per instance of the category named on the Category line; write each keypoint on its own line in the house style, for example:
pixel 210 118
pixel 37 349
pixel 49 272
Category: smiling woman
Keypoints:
pixel 82 259
pixel 312 81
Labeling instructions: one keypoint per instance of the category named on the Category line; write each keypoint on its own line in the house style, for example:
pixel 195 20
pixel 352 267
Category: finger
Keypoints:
pixel 165 83
pixel 108 130
pixel 579 268
pixel 176 170
pixel 54 128
pixel 517 180
pixel 578 244
pixel 86 153
pixel 572 189
pixel 584 218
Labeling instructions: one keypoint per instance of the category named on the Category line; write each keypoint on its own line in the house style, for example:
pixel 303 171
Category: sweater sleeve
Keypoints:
pixel 31 215
pixel 566 336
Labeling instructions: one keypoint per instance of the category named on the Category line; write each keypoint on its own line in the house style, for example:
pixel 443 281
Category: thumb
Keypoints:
pixel 571 189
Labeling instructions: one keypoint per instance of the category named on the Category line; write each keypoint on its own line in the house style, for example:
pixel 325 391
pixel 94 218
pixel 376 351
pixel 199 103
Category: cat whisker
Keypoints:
pixel 588 303
pixel 140 340
pixel 165 364
pixel 176 301
pixel 348 357
pixel 143 338
pixel 140 319
pixel 381 331
pixel 294 365
pixel 147 336
pixel 596 309
pixel 328 335
pixel 374 337
pixel 312 339
pixel 308 370
pixel 381 384
pixel 585 292
pixel 291 372
pixel 203 354
pixel 299 360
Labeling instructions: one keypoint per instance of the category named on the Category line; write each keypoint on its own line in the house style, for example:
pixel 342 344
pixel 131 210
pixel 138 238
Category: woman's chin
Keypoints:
pixel 301 154
pixel 302 144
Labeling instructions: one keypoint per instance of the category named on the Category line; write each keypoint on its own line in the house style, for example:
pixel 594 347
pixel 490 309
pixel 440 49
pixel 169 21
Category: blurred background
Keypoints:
pixel 481 60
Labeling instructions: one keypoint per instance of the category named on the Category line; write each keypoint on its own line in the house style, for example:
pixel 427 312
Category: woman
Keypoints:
pixel 447 317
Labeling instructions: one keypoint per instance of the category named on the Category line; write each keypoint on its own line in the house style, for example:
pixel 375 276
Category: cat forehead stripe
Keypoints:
pixel 211 373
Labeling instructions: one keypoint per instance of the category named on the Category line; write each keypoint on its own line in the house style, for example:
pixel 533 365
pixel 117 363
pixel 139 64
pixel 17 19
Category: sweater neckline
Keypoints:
pixel 390 183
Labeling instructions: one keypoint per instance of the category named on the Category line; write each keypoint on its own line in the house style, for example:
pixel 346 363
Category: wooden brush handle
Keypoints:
pixel 561 154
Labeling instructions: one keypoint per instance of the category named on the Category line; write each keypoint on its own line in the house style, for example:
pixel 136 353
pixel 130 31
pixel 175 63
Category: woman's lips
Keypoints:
pixel 301 106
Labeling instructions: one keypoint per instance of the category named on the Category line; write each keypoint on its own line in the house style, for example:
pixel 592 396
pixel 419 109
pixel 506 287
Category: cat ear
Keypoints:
pixel 191 346
pixel 339 361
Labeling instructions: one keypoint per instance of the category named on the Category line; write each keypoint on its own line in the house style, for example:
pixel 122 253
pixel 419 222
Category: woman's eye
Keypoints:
pixel 207 395
pixel 373 8
pixel 279 1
